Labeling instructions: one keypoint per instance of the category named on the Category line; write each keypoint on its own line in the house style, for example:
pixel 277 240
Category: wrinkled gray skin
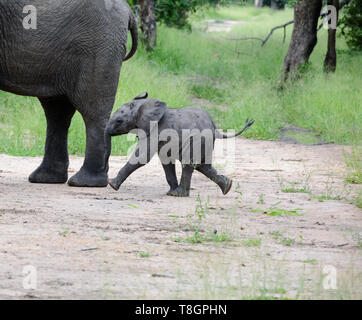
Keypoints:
pixel 72 61
pixel 137 115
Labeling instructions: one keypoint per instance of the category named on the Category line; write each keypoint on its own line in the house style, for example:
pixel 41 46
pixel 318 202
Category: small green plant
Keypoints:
pixel 295 186
pixel 251 242
pixel 64 233
pixel 286 241
pixel 329 192
pixel 144 254
pixel 264 292
pixel 295 190
pixel 358 199
pixel 195 238
pixel 198 237
pixel 261 199
pixel 311 261
pixel 278 212
pixel 239 195
pixel 354 165
pixel 322 198
pixel 201 209
pixel 357 237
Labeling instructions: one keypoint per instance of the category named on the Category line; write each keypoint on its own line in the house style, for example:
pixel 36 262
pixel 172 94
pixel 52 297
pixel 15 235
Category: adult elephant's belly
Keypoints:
pixel 30 71
pixel 42 90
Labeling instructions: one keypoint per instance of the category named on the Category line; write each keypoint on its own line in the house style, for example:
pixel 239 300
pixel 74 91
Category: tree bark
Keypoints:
pixel 330 62
pixel 304 37
pixel 148 24
pixel 258 3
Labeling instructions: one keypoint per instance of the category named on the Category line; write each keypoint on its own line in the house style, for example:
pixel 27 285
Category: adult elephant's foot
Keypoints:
pixel 87 179
pixel 179 192
pixel 49 175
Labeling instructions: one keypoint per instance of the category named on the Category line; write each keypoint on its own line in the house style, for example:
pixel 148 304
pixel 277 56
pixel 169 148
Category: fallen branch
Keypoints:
pixel 264 41
pixel 275 28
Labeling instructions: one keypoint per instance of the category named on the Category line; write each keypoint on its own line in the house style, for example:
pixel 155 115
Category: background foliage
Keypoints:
pixel 231 80
pixel 351 23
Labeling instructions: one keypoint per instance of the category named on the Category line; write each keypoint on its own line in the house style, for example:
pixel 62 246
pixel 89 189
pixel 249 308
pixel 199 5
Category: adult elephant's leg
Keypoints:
pixel 223 182
pixel 54 167
pixel 183 190
pixel 170 172
pixel 94 170
pixel 94 97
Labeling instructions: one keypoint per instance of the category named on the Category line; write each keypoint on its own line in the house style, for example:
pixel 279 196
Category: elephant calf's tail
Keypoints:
pixel 220 135
pixel 132 26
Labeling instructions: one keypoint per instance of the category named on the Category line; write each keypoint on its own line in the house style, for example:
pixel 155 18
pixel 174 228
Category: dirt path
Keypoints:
pixel 221 25
pixel 143 238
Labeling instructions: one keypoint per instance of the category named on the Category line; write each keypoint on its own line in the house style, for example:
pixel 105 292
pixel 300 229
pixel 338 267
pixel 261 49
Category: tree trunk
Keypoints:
pixel 330 62
pixel 304 37
pixel 148 24
pixel 258 3
pixel 277 5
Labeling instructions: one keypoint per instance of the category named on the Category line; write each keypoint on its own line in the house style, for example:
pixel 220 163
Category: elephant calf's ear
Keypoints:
pixel 141 96
pixel 151 110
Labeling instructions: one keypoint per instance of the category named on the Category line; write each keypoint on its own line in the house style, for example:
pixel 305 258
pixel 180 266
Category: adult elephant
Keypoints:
pixel 70 61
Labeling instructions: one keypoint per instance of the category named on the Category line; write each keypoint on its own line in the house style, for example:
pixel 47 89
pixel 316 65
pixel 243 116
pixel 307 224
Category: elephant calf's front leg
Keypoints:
pixel 123 174
pixel 141 157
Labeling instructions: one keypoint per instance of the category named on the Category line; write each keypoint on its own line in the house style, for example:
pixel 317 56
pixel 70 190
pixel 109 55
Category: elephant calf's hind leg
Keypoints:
pixel 170 172
pixel 223 182
pixel 183 190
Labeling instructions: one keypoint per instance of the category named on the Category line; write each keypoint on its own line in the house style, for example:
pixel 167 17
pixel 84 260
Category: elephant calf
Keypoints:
pixel 186 134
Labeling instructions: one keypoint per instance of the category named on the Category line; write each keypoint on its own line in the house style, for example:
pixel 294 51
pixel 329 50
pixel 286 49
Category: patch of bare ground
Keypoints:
pixel 257 241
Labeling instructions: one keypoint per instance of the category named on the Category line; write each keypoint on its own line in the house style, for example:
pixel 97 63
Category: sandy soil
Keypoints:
pixel 138 234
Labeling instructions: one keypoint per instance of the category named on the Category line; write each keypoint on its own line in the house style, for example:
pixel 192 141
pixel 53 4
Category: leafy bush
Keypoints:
pixel 351 23
pixel 174 13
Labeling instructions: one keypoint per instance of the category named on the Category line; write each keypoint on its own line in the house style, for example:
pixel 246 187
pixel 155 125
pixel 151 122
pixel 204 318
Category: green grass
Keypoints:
pixel 251 242
pixel 311 261
pixel 354 165
pixel 207 66
pixel 322 198
pixel 199 237
pixel 285 241
pixel 295 190
pixel 274 211
pixel 144 254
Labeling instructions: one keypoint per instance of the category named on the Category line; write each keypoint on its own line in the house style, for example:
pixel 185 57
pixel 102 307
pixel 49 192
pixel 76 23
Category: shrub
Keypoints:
pixel 351 24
